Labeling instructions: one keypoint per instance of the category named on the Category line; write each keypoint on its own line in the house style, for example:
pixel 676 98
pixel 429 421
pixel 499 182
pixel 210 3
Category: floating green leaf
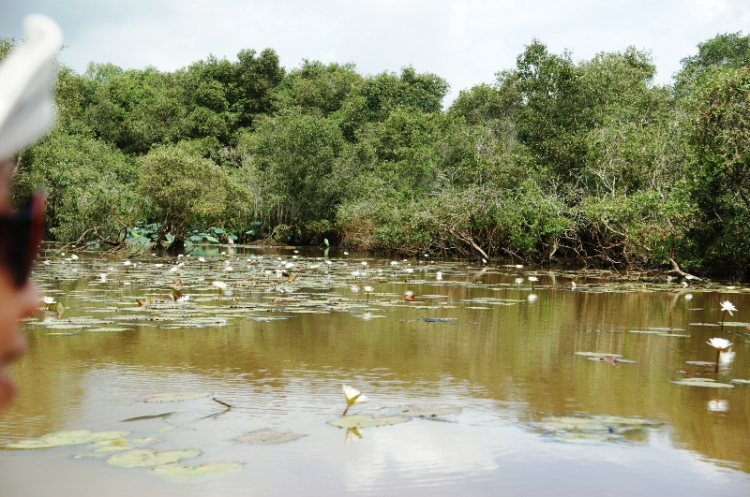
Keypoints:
pixel 740 382
pixel 597 354
pixel 363 421
pixel 267 436
pixel 144 458
pixel 701 382
pixel 578 437
pixel 61 438
pixel 104 447
pixel 191 473
pixel 614 360
pixel 175 396
pixel 431 413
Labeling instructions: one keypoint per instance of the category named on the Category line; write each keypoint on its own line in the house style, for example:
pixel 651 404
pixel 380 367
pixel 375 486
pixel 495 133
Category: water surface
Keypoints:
pixel 278 348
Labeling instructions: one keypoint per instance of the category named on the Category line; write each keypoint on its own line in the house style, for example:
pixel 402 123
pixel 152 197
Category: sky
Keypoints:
pixel 464 41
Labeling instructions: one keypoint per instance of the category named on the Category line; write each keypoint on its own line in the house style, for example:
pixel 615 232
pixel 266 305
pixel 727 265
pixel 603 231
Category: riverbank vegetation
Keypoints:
pixel 584 160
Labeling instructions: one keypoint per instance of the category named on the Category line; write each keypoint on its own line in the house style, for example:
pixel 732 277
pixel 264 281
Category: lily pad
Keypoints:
pixel 438 320
pixel 144 458
pixel 175 396
pixel 62 438
pixel 363 421
pixel 740 382
pixel 579 437
pixel 267 436
pixel 431 413
pixel 616 360
pixel 597 354
pixel 701 363
pixel 590 423
pixel 701 382
pixel 104 448
pixel 191 473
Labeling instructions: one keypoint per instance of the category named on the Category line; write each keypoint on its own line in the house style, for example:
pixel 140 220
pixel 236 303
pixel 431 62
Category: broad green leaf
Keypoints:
pixel 178 472
pixel 597 354
pixel 431 413
pixel 144 458
pixel 701 382
pixel 268 436
pixel 61 438
pixel 175 396
pixel 363 421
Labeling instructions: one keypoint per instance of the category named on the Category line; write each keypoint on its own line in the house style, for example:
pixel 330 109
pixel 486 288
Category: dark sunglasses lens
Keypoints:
pixel 20 236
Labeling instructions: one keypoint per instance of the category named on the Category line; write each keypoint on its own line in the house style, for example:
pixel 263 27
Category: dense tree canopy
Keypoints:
pixel 588 160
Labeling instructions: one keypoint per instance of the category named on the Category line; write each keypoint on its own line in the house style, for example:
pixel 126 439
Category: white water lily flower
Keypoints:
pixel 533 278
pixel 718 405
pixel 183 299
pixel 74 257
pixel 103 277
pixel 532 298
pixel 394 263
pixel 354 288
pixel 689 296
pixel 719 343
pixel 219 284
pixel 439 276
pixel 353 396
pixel 519 281
pixel 289 265
pixel 368 289
pixel 364 263
pixel 329 262
pixel 48 300
pixel 201 259
pixel 728 306
pixel 228 268
pixel 158 265
pixel 126 263
pixel 174 269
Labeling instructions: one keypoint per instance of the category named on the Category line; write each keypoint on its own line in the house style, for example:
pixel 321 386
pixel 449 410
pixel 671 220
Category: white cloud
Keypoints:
pixel 464 41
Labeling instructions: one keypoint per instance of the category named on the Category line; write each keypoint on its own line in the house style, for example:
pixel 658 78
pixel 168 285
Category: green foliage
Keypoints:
pixel 90 187
pixel 724 51
pixel 181 188
pixel 316 88
pixel 719 137
pixel 558 158
pixel 290 159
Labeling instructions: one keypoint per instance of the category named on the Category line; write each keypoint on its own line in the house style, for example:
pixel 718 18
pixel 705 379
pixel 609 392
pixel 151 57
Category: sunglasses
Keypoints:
pixel 20 238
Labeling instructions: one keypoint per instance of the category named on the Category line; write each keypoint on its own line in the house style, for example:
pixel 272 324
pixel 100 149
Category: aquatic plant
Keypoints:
pixel 720 344
pixel 353 396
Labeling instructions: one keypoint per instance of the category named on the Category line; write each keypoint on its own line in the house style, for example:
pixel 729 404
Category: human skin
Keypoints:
pixel 15 304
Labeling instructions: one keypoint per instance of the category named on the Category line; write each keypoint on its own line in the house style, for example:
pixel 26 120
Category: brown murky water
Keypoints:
pixel 278 352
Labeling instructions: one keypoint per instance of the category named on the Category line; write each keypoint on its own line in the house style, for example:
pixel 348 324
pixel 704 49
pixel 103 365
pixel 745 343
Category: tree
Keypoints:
pixel 291 157
pixel 316 88
pixel 724 51
pixel 181 188
pixel 90 186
